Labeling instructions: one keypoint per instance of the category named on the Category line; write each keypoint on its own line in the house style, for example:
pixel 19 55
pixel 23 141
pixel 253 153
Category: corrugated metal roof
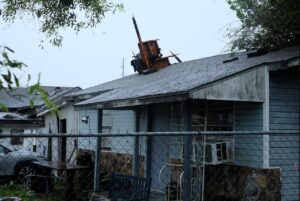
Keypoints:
pixel 181 77
pixel 20 98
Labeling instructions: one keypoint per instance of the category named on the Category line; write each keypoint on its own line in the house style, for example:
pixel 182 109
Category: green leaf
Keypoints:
pixel 28 78
pixel 3 107
pixel 9 87
pixel 31 89
pixel 5 56
pixel 269 24
pixel 55 16
pixel 31 103
pixel 16 81
pixel 7 78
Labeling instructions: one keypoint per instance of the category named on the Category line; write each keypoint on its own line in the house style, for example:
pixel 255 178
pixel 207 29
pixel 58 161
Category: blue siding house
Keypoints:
pixel 113 121
pixel 231 92
pixel 284 115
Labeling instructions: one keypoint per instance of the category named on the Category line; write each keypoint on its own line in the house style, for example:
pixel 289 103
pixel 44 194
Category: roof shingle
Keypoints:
pixel 181 77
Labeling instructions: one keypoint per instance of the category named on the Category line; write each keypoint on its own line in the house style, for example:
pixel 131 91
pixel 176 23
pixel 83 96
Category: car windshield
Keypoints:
pixel 4 150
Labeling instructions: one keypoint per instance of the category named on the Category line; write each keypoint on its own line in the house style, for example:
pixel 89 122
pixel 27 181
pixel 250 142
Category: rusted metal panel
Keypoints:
pixel 160 63
pixel 246 86
pixel 150 57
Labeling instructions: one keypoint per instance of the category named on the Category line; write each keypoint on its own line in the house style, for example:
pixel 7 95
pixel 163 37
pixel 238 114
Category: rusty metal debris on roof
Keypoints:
pixel 150 58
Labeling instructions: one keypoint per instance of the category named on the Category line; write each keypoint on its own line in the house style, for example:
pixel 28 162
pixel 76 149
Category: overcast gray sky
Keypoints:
pixel 193 28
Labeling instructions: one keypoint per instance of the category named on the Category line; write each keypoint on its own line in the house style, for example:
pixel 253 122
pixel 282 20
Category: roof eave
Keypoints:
pixel 135 101
pixel 22 123
pixel 45 111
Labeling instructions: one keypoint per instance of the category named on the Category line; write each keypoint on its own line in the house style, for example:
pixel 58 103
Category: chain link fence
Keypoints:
pixel 243 166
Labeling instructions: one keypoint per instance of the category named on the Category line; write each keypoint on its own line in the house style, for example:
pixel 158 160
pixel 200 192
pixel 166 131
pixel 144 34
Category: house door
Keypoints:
pixel 62 140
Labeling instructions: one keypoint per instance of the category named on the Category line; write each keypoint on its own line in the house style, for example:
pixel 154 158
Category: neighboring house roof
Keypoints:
pixel 180 78
pixel 20 97
pixel 15 120
pixel 59 99
pixel 10 115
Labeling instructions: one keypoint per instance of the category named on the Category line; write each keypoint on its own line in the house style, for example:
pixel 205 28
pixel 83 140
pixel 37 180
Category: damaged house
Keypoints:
pixel 68 120
pixel 243 91
pixel 249 91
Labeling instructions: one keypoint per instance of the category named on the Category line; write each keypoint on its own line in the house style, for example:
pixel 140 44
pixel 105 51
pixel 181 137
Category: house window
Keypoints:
pixel 177 120
pixel 107 121
pixel 107 124
pixel 177 124
pixel 198 118
pixel 16 140
pixel 221 151
pixel 212 116
pixel 205 116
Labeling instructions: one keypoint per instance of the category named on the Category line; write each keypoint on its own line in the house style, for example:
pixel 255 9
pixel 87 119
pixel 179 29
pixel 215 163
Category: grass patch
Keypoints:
pixel 13 190
pixel 24 193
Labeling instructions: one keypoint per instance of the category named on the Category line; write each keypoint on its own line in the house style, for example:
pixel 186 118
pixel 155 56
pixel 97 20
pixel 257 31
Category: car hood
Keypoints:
pixel 22 153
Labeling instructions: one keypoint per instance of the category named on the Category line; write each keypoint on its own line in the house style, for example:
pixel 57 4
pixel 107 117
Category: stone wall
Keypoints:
pixel 109 162
pixel 231 182
pixel 119 162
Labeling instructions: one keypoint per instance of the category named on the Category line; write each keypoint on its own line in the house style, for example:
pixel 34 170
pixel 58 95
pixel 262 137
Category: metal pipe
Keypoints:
pixel 141 44
pixel 137 30
pixel 132 134
pixel 136 144
pixel 203 170
pixel 98 154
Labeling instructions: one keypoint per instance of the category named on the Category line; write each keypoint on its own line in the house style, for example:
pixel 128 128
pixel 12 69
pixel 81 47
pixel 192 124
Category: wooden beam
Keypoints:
pixel 135 165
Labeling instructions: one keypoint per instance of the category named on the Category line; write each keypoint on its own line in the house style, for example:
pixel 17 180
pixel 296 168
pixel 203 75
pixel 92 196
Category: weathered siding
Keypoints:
pixel 122 121
pixel 143 127
pixel 284 115
pixel 70 115
pixel 87 128
pixel 51 127
pixel 246 86
pixel 248 149
pixel 284 153
pixel 67 112
pixel 284 100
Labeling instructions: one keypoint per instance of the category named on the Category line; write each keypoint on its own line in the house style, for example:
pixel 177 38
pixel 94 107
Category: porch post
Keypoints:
pixel 136 144
pixel 266 121
pixel 98 154
pixel 149 142
pixel 187 181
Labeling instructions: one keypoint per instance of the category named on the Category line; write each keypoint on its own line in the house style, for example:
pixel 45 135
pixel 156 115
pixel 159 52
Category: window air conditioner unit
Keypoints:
pixel 216 152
